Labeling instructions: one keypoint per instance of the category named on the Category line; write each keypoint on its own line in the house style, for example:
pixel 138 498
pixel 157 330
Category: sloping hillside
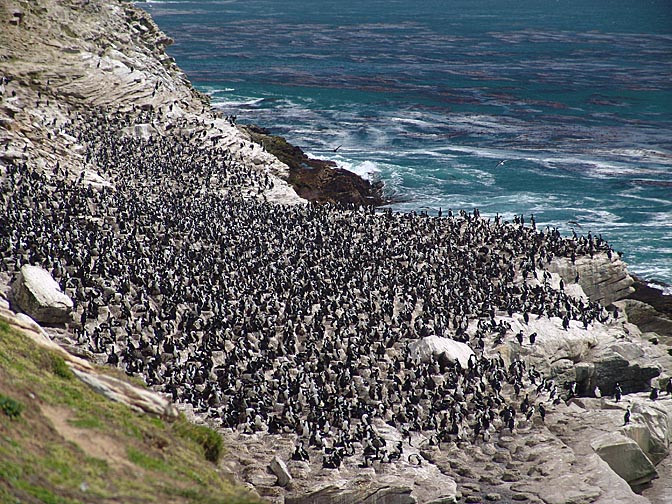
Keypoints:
pixel 61 442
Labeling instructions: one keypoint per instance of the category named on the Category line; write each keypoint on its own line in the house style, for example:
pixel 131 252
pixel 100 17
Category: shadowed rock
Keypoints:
pixel 625 457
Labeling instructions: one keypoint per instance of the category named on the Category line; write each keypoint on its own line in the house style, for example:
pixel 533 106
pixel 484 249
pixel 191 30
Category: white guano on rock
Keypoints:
pixel 37 294
pixel 424 348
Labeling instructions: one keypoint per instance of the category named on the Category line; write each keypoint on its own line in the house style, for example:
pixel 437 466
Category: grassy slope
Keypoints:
pixel 70 445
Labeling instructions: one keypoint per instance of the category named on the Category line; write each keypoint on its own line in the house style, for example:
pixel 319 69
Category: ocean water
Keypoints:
pixel 557 108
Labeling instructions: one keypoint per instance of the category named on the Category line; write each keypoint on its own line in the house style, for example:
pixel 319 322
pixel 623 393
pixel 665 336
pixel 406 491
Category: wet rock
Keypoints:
pixel 37 294
pixel 646 317
pixel 314 179
pixel 652 294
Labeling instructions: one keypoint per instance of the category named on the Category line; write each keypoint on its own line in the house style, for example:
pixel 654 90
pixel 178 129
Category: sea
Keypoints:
pixel 561 109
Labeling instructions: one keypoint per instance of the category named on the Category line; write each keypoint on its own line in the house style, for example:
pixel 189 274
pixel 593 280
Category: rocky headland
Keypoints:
pixel 316 179
pixel 345 355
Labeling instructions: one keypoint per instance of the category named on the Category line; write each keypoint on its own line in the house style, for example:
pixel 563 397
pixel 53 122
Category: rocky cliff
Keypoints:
pixel 152 215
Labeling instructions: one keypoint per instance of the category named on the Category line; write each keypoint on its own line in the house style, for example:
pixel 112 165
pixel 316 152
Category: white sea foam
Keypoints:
pixel 649 155
pixel 367 169
pixel 414 122
pixel 242 104
pixel 591 167
pixel 223 90
pixel 481 176
pixel 657 272
pixel 631 195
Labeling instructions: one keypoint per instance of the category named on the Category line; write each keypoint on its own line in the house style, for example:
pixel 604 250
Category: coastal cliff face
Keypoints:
pixel 84 79
pixel 109 57
pixel 63 58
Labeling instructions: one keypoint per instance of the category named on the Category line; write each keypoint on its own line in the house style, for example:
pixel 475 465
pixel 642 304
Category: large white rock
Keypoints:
pixel 424 348
pixel 279 468
pixel 141 131
pixel 37 294
pixel 625 458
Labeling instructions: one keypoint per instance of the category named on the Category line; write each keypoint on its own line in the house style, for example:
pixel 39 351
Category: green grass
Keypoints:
pixel 153 460
pixel 209 440
pixel 87 422
pixel 60 368
pixel 10 407
pixel 145 461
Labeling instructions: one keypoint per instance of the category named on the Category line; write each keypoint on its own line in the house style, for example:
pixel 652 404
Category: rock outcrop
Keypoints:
pixel 597 356
pixel 37 294
pixel 316 179
pixel 130 395
pixel 602 278
pixel 625 457
pixel 436 346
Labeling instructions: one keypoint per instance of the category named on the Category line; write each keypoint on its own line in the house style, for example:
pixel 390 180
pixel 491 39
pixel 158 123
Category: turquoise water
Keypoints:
pixel 430 97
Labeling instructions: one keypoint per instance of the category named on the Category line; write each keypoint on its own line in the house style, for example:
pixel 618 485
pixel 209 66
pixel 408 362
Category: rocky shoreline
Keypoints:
pixel 316 179
pixel 107 148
